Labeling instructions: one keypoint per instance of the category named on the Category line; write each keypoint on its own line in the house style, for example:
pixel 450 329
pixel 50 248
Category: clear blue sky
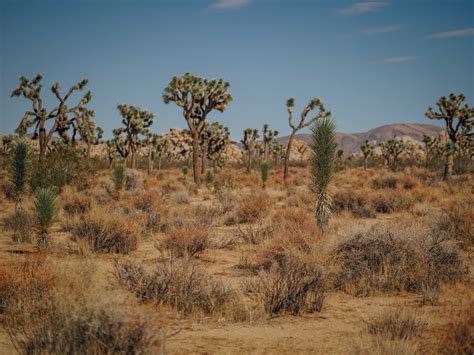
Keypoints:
pixel 372 62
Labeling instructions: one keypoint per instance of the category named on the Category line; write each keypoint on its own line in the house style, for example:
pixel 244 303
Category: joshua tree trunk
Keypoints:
pixel 365 163
pixel 204 157
pixel 265 151
pixel 448 169
pixel 42 141
pixel 249 160
pixel 150 160
pixel 287 156
pixel 196 170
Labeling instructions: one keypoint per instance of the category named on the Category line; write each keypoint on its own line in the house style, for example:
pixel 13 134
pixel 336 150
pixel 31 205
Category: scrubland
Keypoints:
pixel 234 268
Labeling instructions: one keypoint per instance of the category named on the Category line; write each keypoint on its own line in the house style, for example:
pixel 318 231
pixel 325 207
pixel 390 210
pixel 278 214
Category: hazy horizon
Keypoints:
pixel 372 63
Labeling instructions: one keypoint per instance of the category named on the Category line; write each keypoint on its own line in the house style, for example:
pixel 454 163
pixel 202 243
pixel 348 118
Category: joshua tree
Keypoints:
pixel 197 97
pixel 19 170
pixel 367 150
pixel 264 172
pixel 249 139
pixel 45 208
pixel 161 149
pixel 313 104
pixel 136 122
pixel 65 117
pixel 90 134
pixel 391 151
pixel 323 166
pixel 278 151
pixel 112 152
pixel 459 122
pixel 214 140
pixel 268 137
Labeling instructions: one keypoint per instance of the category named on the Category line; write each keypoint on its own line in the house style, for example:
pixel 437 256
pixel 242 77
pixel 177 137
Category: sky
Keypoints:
pixel 372 62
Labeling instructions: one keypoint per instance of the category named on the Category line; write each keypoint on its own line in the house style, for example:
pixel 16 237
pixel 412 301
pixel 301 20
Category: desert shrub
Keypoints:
pixel 457 220
pixel 186 240
pixel 181 198
pixel 348 200
pixel 75 203
pixel 253 234
pixel 21 222
pixel 83 331
pixel 151 210
pixel 133 180
pixel 382 203
pixel 396 325
pixel 107 233
pixel 227 201
pixel 293 286
pixel 364 212
pixel 384 182
pixel 24 287
pixel 398 259
pixel 458 337
pixel 253 207
pixel 178 283
pixel 224 181
pixel 65 166
pixel 392 202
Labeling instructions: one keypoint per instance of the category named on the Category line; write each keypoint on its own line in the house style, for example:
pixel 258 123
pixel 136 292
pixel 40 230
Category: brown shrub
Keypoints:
pixel 186 240
pixel 457 219
pixel 291 286
pixel 348 200
pixel 107 233
pixel 75 203
pixel 397 259
pixel 21 222
pixel 227 201
pixel 178 283
pixel 458 338
pixel 253 207
pixel 385 182
pixel 253 234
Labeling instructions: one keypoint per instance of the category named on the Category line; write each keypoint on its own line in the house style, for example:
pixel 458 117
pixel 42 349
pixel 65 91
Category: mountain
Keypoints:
pixel 350 142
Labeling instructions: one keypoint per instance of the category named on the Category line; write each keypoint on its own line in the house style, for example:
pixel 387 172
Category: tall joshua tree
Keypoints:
pixel 197 97
pixel 367 150
pixel 323 166
pixel 65 117
pixel 312 105
pixel 249 140
pixel 136 122
pixel 459 122
pixel 268 137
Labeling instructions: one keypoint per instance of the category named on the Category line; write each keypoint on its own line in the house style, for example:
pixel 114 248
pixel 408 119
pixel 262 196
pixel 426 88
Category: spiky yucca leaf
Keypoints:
pixel 19 168
pixel 323 166
pixel 119 177
pixel 264 172
pixel 45 207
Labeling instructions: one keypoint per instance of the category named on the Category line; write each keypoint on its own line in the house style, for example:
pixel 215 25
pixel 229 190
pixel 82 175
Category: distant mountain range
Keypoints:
pixel 350 142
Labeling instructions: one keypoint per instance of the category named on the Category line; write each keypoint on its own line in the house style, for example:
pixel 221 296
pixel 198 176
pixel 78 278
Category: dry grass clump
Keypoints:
pixel 253 234
pixel 227 201
pixel 293 230
pixel 21 222
pixel 392 202
pixel 75 203
pixel 181 198
pixel 178 283
pixel 186 240
pixel 133 180
pixel 356 202
pixel 107 232
pixel 385 182
pixel 253 207
pixel 397 259
pixel 395 325
pixel 292 285
pixel 83 331
pixel 151 209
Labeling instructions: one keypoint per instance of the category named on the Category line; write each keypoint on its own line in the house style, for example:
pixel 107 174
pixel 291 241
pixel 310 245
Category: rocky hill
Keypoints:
pixel 350 142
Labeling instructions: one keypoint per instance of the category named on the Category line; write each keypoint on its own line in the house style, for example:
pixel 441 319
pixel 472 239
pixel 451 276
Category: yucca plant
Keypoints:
pixel 210 176
pixel 323 166
pixel 19 170
pixel 45 210
pixel 264 169
pixel 119 178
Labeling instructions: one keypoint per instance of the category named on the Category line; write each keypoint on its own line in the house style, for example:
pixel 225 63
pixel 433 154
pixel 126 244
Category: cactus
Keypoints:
pixel 323 166
pixel 459 123
pixel 45 209
pixel 19 167
pixel 312 105
pixel 130 138
pixel 367 150
pixel 265 167
pixel 119 178
pixel 197 97
pixel 249 141
pixel 65 117
pixel 268 137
